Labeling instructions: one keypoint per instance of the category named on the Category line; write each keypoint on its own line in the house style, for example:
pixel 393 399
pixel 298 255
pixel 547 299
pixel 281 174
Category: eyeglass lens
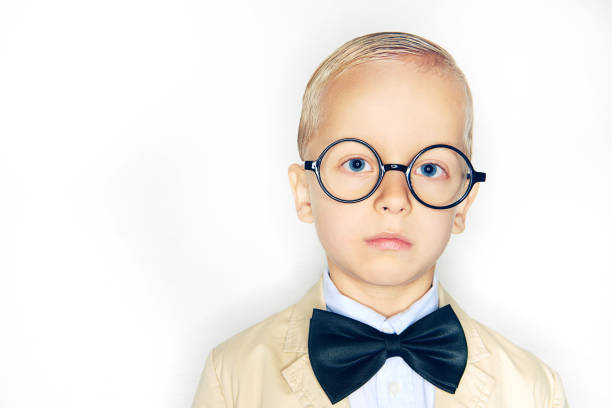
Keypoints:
pixel 440 176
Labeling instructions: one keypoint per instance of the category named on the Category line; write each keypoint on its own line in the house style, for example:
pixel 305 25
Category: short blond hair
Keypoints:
pixel 371 47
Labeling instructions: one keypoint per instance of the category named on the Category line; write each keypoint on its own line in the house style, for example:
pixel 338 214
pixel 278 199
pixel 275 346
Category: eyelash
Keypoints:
pixel 435 164
pixel 416 168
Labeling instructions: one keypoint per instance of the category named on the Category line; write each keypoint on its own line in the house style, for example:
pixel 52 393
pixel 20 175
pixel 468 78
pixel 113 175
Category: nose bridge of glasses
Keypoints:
pixel 401 168
pixel 395 186
pixel 395 166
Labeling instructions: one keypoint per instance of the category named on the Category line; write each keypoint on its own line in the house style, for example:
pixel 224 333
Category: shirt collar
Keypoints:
pixel 343 305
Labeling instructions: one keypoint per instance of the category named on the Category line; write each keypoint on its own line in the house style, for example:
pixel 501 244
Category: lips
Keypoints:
pixel 388 240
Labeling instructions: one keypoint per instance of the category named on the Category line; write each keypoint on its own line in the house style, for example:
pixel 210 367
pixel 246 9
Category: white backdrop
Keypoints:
pixel 145 209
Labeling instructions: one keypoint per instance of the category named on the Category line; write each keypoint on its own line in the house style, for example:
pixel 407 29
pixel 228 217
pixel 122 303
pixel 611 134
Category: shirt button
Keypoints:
pixel 394 388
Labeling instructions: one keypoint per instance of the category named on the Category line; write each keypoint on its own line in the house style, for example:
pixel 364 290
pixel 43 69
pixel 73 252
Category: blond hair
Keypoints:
pixel 371 47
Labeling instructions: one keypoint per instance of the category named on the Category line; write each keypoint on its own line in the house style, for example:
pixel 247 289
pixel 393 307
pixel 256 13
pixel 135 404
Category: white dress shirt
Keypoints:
pixel 395 384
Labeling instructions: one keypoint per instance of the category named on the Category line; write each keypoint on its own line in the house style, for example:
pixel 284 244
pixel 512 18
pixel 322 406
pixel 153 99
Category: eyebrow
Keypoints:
pixel 378 150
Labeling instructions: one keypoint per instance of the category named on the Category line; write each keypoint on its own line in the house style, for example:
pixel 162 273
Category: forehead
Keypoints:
pixel 397 106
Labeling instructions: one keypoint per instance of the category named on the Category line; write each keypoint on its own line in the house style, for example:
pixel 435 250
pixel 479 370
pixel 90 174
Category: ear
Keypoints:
pixel 299 187
pixel 462 209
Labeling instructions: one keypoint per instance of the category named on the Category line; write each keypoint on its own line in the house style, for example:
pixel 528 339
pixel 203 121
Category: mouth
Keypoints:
pixel 386 240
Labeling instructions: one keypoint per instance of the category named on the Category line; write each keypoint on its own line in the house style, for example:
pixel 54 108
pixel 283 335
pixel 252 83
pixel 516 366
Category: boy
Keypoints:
pixel 386 135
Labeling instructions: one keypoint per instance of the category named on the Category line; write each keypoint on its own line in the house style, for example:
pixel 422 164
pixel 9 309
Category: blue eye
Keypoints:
pixel 356 165
pixel 429 170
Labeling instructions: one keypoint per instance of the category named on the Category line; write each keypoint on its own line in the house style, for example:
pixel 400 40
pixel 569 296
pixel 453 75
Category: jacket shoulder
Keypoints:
pixel 261 343
pixel 501 347
pixel 516 368
pixel 245 367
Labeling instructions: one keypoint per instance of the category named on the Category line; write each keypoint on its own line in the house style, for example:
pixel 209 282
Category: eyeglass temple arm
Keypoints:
pixel 310 165
pixel 478 176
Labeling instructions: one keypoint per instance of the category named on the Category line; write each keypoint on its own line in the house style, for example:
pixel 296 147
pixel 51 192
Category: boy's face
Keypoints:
pixel 397 108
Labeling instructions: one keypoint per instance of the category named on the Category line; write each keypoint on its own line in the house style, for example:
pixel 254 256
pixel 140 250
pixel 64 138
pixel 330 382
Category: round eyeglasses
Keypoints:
pixel 440 176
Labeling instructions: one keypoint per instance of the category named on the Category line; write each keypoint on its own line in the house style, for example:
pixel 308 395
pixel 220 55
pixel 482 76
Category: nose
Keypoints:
pixel 394 195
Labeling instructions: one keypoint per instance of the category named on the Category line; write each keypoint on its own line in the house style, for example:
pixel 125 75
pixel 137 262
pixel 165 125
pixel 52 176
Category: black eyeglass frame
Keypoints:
pixel 476 176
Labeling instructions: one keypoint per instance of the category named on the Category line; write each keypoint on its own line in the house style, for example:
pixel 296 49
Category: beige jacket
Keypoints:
pixel 267 366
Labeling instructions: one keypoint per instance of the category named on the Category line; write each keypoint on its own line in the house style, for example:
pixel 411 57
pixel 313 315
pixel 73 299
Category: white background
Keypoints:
pixel 146 214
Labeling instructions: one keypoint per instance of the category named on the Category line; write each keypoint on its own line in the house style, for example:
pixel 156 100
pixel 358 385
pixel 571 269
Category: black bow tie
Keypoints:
pixel 345 353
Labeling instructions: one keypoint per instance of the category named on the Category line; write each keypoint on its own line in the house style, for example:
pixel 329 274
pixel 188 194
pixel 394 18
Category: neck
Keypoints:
pixel 387 300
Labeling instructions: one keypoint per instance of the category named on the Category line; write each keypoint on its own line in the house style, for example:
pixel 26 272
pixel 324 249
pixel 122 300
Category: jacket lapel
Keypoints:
pixel 299 374
pixel 475 386
pixel 473 391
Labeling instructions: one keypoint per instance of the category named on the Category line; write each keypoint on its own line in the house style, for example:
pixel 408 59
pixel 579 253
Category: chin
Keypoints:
pixel 388 277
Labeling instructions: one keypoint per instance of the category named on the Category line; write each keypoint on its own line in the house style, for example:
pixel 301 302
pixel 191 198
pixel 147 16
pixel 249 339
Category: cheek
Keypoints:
pixel 334 223
pixel 436 230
